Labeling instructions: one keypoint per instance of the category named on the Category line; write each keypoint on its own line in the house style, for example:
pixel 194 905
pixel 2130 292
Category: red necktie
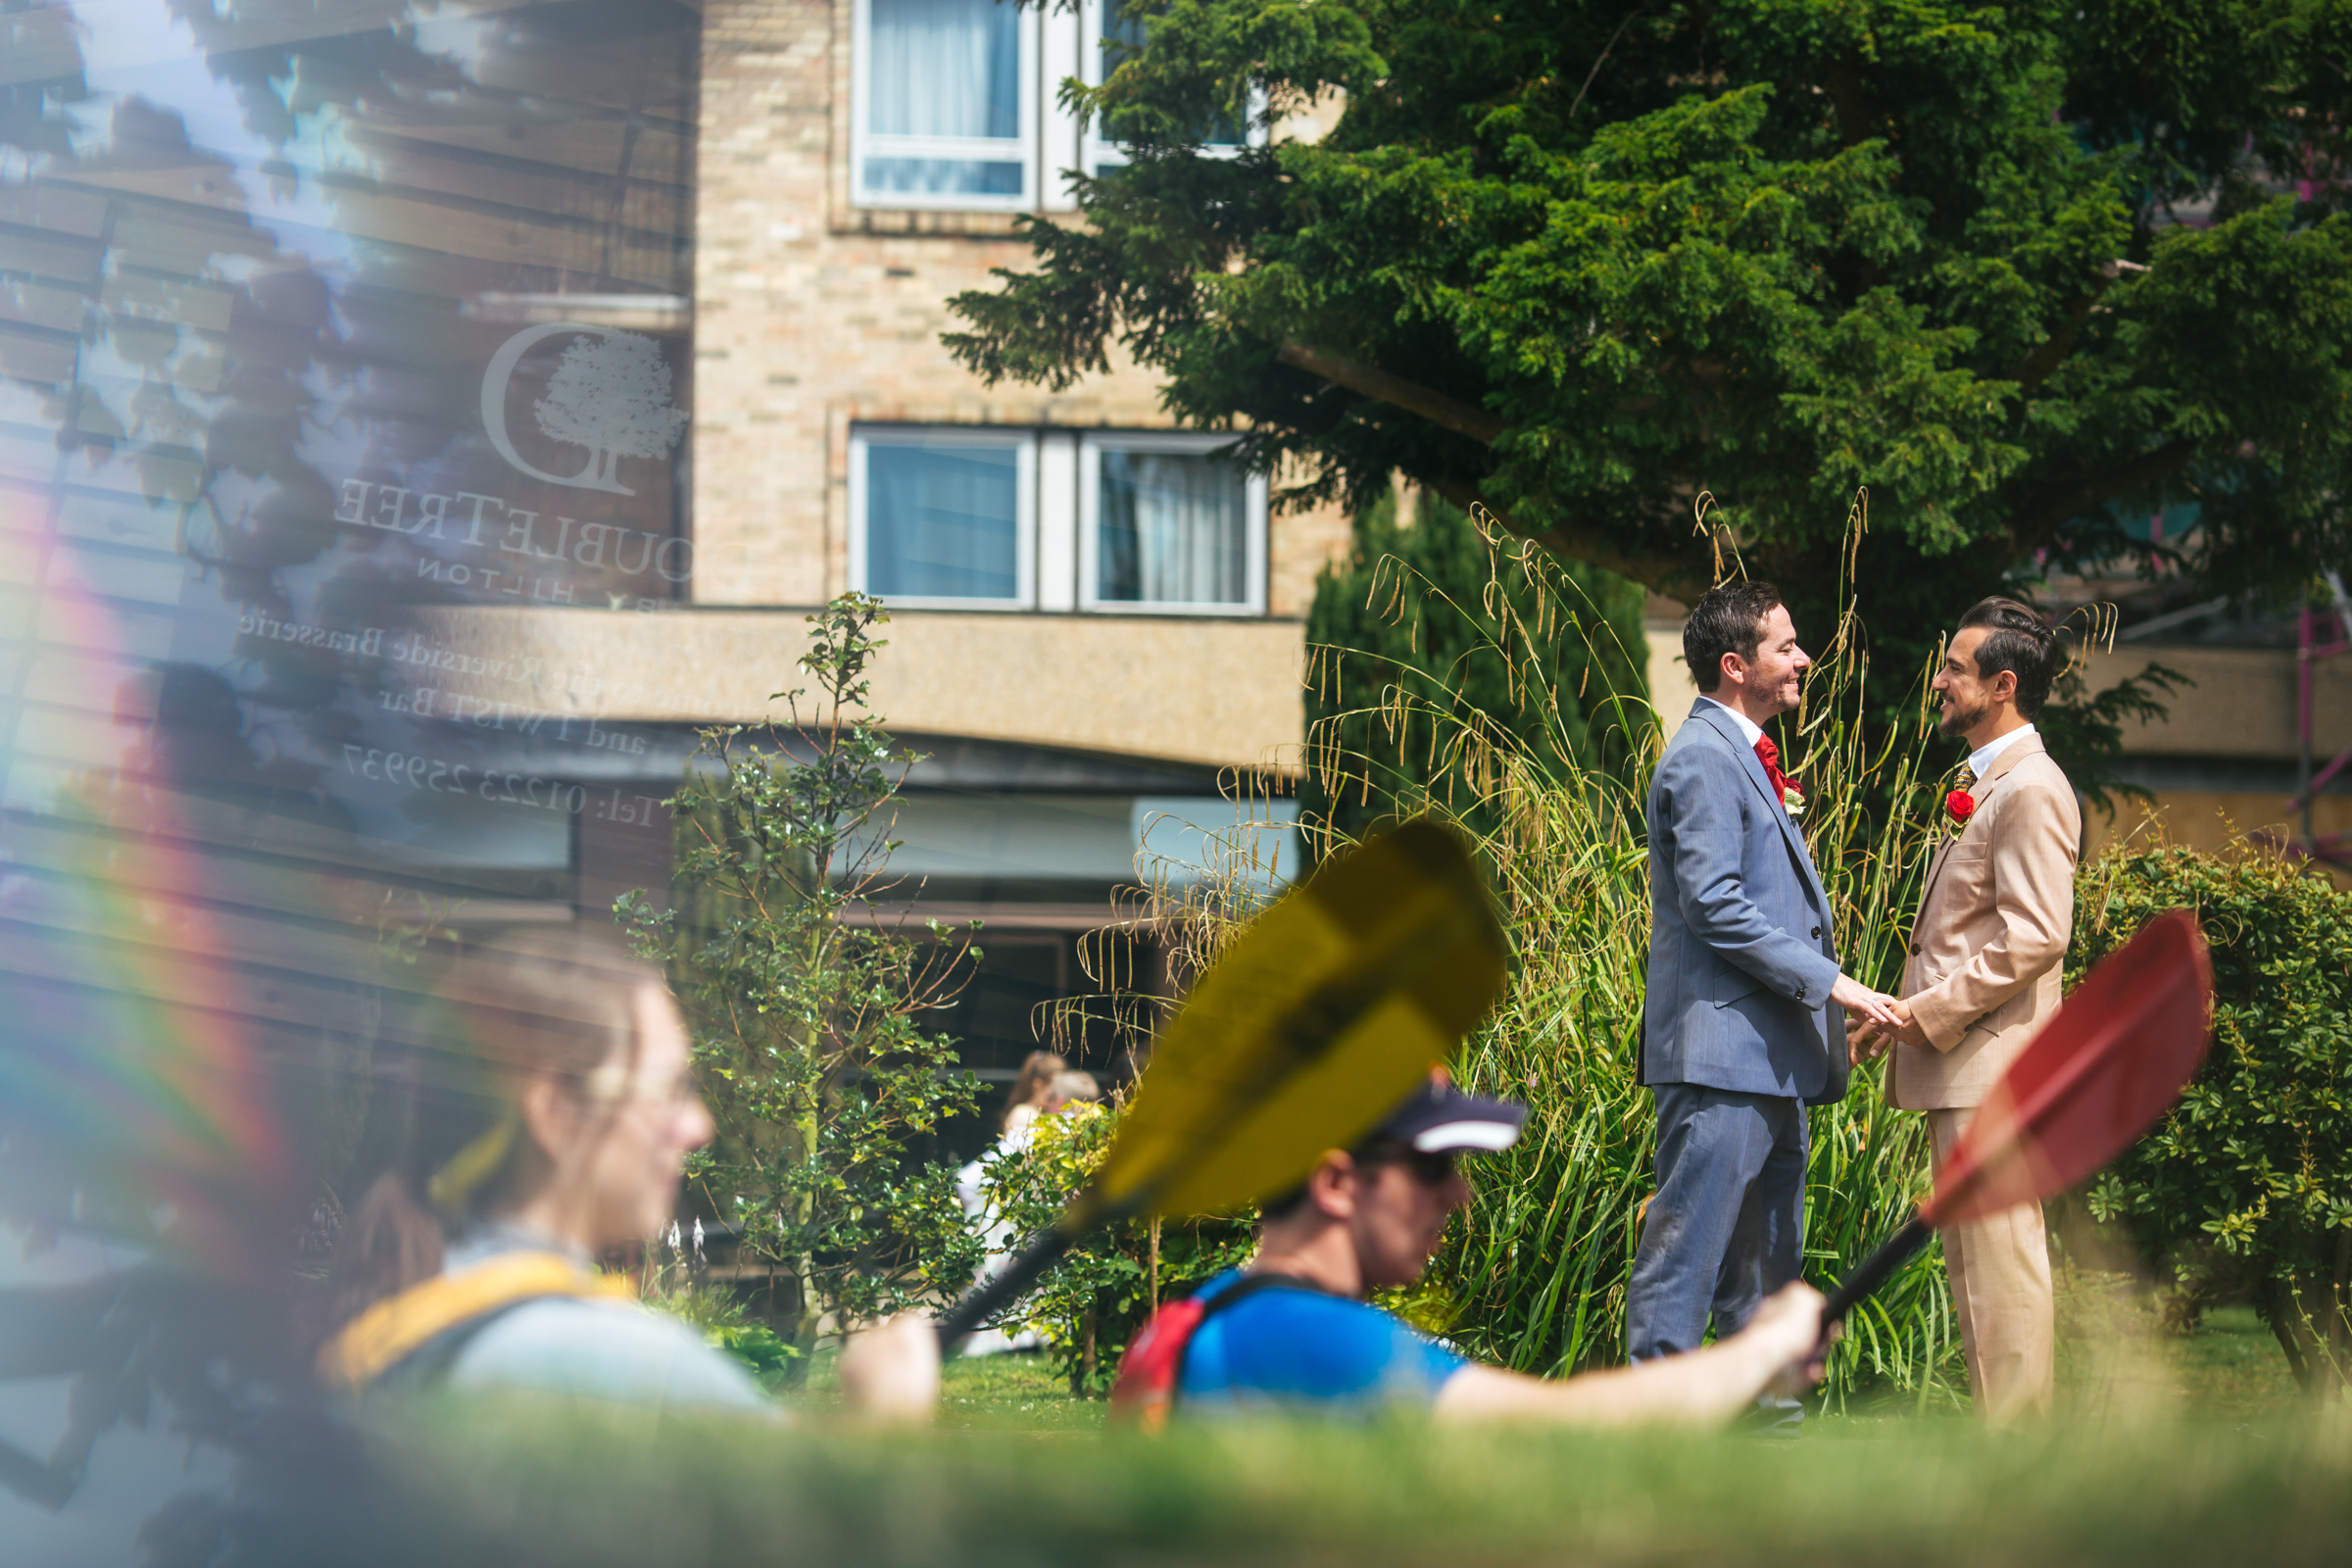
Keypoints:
pixel 1770 756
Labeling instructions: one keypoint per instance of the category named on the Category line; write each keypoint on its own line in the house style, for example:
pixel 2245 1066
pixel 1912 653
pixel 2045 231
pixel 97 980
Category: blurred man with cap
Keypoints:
pixel 1293 1331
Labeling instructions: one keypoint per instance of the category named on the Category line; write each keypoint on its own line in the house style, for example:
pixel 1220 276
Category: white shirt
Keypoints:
pixel 1981 758
pixel 1748 726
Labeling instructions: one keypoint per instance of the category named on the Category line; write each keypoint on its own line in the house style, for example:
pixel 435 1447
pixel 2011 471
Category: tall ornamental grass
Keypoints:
pixel 1536 1277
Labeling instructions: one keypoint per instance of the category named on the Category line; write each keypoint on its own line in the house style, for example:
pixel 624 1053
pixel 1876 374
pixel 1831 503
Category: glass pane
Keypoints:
pixel 942 522
pixel 346 367
pixel 1172 529
pixel 945 68
pixel 942 176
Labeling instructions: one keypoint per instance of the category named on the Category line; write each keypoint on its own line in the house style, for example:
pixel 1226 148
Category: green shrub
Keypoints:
pixel 2246 1188
pixel 1106 1287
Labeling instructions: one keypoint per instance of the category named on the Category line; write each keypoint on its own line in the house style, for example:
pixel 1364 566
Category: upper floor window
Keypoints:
pixel 946 103
pixel 956 102
pixel 1166 524
pixel 962 517
pixel 943 515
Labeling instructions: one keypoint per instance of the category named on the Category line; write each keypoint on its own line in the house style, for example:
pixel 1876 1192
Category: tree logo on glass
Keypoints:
pixel 609 394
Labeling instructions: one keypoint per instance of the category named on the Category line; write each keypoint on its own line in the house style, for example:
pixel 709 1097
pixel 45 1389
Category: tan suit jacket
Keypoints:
pixel 1983 968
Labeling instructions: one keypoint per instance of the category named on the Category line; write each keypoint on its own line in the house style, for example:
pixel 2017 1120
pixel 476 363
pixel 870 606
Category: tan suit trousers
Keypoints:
pixel 2000 1272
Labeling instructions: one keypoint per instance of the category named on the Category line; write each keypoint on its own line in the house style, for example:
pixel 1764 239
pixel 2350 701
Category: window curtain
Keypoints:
pixel 946 68
pixel 1172 530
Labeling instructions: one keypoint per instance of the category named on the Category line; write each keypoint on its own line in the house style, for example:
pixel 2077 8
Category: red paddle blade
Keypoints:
pixel 2097 1076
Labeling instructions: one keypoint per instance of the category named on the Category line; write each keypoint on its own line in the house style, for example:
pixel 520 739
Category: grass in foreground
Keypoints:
pixel 514 1485
pixel 2167 1451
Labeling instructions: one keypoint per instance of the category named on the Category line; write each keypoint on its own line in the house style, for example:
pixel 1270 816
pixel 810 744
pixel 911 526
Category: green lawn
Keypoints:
pixel 2113 1361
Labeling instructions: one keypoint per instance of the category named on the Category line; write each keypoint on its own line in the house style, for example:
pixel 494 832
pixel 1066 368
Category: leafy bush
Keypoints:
pixel 2246 1188
pixel 1092 1303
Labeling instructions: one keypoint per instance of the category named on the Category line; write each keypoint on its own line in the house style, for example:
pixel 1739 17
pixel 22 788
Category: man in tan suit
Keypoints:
pixel 1983 976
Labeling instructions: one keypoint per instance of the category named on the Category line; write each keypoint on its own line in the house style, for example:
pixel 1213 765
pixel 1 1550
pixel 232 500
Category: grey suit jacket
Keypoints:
pixel 1742 957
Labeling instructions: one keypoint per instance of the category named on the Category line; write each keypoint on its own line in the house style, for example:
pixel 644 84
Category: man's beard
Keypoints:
pixel 1958 720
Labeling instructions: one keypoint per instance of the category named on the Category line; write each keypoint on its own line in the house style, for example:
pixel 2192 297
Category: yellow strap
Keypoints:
pixel 370 1343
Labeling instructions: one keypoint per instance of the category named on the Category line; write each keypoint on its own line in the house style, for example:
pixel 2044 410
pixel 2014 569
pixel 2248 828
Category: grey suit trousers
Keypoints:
pixel 1727 1226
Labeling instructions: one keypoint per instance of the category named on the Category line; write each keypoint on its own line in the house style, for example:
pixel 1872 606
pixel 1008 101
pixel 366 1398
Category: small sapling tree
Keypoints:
pixel 807 998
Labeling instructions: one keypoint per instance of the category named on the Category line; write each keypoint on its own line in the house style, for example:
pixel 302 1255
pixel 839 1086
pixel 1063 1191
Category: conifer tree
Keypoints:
pixel 2023 272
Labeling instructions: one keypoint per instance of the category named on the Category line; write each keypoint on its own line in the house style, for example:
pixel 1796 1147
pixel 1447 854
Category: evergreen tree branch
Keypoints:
pixel 1444 411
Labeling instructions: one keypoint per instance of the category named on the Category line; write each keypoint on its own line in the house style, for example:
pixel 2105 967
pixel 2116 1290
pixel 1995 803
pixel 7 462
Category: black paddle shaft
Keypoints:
pixel 1876 1270
pixel 991 1296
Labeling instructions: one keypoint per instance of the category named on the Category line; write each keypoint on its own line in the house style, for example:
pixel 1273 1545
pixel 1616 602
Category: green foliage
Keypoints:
pixel 1587 261
pixel 805 1008
pixel 757 1345
pixel 2246 1188
pixel 1576 656
pixel 1094 1299
pixel 676 1284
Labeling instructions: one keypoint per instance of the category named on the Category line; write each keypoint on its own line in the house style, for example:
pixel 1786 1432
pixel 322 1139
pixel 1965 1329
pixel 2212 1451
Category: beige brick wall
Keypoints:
pixel 1185 688
pixel 2242 702
pixel 811 314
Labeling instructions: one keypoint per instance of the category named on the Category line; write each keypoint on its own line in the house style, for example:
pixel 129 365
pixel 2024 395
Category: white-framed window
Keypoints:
pixel 1101 22
pixel 943 516
pixel 1168 523
pixel 979 517
pixel 945 104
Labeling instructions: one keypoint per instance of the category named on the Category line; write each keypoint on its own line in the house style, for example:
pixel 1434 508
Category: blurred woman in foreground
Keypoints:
pixel 550 1125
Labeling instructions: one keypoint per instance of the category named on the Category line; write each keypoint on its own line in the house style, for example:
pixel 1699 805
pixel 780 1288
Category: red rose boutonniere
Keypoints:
pixel 1962 806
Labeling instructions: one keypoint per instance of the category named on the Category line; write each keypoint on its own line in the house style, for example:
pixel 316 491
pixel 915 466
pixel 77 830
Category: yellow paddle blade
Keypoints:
pixel 1316 1022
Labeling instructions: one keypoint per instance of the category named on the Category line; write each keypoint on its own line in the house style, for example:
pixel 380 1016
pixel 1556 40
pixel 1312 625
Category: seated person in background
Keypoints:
pixel 1031 1093
pixel 1292 1332
pixel 1034 1093
pixel 549 1124
pixel 1072 1088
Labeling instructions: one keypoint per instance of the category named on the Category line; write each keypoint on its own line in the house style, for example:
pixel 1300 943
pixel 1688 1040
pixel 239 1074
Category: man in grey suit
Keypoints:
pixel 1738 1030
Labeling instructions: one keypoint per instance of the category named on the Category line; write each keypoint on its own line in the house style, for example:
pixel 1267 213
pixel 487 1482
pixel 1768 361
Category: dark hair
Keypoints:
pixel 1377 1150
pixel 560 1002
pixel 2019 642
pixel 1727 619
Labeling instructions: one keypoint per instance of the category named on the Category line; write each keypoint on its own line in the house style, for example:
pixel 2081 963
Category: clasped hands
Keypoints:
pixel 1874 1021
pixel 1867 1039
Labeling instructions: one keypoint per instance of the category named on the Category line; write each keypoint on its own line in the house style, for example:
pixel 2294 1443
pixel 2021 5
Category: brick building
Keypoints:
pixel 1094 621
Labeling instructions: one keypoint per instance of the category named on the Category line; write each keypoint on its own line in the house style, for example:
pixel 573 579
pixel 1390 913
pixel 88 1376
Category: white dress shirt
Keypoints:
pixel 1748 727
pixel 1983 756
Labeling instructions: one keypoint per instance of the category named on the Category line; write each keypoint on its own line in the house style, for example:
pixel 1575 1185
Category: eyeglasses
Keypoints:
pixel 611 1085
pixel 1429 1169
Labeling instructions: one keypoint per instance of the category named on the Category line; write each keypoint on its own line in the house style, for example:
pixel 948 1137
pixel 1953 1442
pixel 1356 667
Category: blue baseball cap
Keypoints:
pixel 1438 1118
